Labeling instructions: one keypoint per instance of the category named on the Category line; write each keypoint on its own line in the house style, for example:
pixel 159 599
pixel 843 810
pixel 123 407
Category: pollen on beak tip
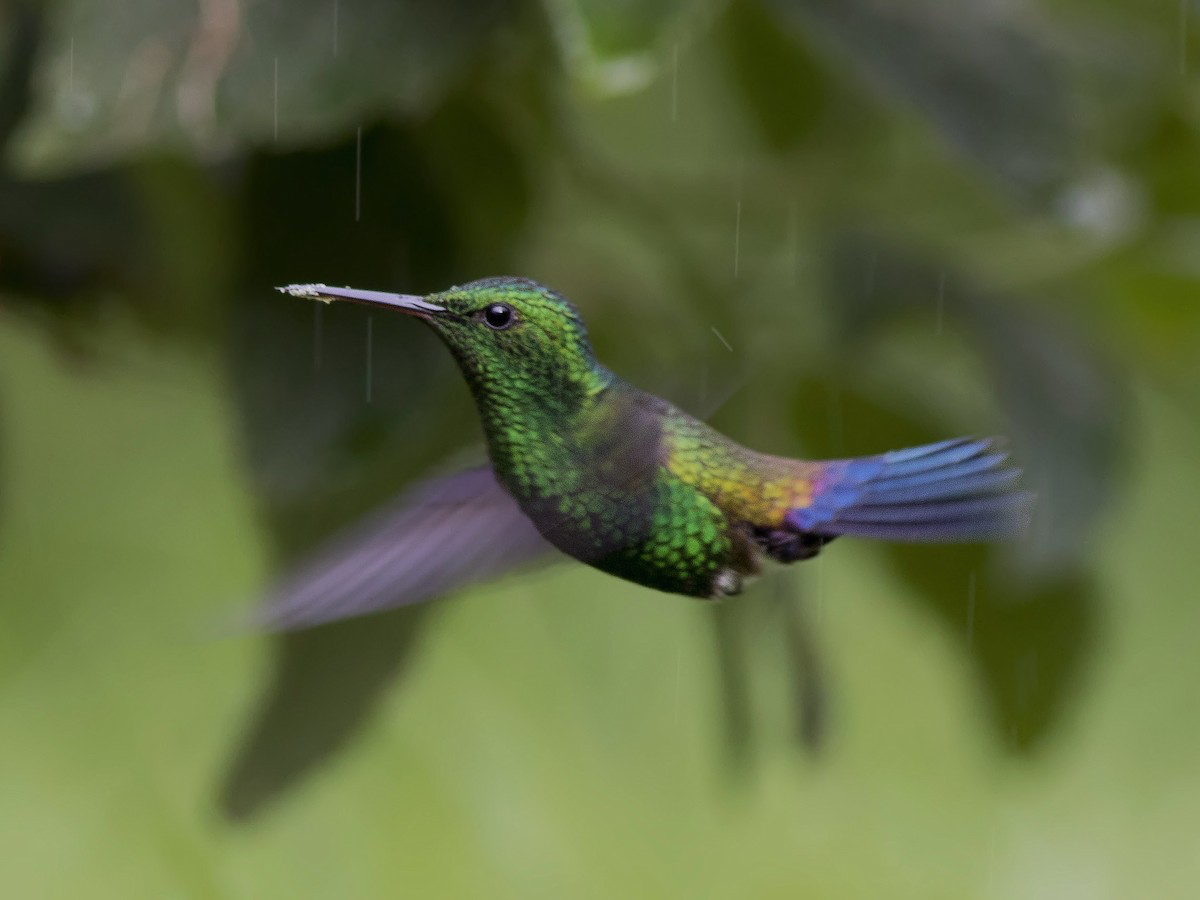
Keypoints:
pixel 306 292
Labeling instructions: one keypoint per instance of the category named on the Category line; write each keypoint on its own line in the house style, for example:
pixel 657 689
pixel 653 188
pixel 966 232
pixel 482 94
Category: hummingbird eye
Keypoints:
pixel 499 316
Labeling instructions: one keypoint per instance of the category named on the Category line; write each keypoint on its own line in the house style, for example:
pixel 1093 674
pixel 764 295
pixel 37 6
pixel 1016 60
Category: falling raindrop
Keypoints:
pixel 335 27
pixel 275 102
pixel 793 240
pixel 737 224
pixel 675 84
pixel 317 336
pixel 941 300
pixel 737 238
pixel 721 338
pixel 836 431
pixel 1183 36
pixel 76 106
pixel 358 176
pixel 370 344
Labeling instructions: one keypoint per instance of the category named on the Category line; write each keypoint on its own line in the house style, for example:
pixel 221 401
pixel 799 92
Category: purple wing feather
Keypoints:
pixel 957 490
pixel 444 534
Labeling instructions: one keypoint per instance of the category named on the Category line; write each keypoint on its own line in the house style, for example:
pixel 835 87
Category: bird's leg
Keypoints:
pixel 808 682
pixel 726 583
pixel 788 546
pixel 728 624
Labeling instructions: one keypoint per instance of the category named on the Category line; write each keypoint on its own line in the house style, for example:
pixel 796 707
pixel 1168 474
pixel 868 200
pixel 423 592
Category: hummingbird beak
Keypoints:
pixel 405 303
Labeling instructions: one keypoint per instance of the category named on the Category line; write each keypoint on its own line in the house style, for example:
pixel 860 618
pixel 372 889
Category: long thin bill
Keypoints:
pixel 326 294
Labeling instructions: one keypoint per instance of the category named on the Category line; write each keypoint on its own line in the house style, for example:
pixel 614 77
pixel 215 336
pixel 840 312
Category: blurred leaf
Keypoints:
pixel 23 27
pixel 1063 403
pixel 207 80
pixel 1164 157
pixel 147 239
pixel 610 44
pixel 1029 642
pixel 488 204
pixel 65 238
pixel 782 87
pixel 626 26
pixel 1027 637
pixel 979 72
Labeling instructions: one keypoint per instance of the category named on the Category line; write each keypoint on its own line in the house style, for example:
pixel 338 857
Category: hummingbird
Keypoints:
pixel 584 462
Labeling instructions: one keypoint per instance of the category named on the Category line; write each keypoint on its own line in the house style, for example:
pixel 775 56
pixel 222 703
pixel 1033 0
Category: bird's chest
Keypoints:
pixel 601 491
pixel 594 474
pixel 643 525
pixel 588 504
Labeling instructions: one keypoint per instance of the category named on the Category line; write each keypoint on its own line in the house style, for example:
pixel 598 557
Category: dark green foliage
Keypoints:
pixel 444 142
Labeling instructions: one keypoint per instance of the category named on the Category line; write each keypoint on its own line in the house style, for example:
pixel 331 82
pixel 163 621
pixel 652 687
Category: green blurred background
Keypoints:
pixel 836 226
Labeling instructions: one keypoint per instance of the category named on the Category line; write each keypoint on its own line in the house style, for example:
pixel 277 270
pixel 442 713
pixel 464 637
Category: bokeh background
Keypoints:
pixel 835 226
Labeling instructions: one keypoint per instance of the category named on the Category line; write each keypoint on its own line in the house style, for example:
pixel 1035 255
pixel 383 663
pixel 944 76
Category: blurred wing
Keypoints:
pixel 444 534
pixel 957 490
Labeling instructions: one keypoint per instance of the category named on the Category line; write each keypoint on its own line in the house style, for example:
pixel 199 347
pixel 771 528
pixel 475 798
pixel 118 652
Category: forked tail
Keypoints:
pixel 957 490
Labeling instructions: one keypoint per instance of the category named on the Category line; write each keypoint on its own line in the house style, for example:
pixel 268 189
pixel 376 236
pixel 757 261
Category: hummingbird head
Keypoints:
pixel 509 335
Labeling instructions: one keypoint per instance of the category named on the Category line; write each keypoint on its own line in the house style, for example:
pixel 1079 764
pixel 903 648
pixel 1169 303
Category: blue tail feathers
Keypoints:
pixel 957 490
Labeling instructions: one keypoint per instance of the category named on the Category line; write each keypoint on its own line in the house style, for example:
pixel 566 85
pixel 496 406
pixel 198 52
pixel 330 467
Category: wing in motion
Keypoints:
pixel 444 534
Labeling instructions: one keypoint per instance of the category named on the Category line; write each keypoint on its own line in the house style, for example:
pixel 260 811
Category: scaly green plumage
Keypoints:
pixel 626 482
pixel 593 461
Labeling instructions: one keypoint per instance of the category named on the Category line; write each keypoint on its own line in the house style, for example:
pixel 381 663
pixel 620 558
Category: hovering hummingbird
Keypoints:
pixel 619 478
